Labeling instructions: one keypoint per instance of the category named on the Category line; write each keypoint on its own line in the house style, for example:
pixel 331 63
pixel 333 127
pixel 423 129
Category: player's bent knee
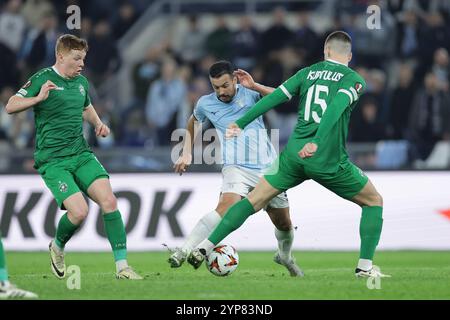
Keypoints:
pixel 222 208
pixel 79 214
pixel 373 200
pixel 258 204
pixel 259 199
pixel 109 204
pixel 378 200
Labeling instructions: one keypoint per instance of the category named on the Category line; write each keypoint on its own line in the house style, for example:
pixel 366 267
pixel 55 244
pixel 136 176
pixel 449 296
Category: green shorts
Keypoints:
pixel 70 175
pixel 347 182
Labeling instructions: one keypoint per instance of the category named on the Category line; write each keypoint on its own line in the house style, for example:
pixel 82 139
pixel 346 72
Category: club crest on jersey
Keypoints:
pixel 358 87
pixel 63 187
pixel 82 91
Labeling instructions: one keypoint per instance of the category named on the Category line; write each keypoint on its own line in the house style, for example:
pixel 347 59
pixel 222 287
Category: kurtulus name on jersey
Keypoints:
pixel 325 75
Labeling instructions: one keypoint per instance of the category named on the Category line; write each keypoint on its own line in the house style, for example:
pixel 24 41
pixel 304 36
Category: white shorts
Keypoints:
pixel 241 181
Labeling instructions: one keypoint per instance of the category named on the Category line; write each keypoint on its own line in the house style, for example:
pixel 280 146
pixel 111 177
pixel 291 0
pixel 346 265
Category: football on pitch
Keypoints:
pixel 223 260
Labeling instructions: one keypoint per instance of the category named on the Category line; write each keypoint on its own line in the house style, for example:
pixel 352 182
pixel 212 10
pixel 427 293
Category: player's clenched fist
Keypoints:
pixel 308 150
pixel 233 130
pixel 102 130
pixel 183 163
pixel 45 89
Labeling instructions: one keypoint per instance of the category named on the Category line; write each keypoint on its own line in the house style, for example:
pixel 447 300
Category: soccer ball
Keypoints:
pixel 222 261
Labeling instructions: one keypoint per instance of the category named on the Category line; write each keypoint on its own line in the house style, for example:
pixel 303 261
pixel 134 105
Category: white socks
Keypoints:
pixel 57 249
pixel 199 236
pixel 285 239
pixel 201 230
pixel 207 245
pixel 121 264
pixel 365 264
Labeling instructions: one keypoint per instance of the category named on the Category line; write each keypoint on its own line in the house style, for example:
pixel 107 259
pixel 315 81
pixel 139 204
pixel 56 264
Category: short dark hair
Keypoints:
pixel 220 68
pixel 339 35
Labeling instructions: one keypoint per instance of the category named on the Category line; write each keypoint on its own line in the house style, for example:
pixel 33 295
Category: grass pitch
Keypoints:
pixel 328 275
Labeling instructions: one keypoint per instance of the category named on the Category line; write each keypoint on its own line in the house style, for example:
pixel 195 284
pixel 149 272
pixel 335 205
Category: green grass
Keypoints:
pixel 329 275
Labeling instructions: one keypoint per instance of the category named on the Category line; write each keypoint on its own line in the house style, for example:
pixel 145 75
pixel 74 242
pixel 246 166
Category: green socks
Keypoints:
pixel 233 219
pixel 3 270
pixel 65 231
pixel 115 231
pixel 370 231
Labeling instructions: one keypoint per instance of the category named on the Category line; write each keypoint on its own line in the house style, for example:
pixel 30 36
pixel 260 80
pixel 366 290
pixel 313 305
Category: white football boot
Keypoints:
pixel 177 258
pixel 129 274
pixel 372 273
pixel 57 261
pixel 291 265
pixel 196 257
pixel 10 291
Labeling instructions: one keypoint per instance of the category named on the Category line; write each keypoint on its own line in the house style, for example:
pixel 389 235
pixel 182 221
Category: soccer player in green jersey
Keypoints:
pixel 59 96
pixel 328 91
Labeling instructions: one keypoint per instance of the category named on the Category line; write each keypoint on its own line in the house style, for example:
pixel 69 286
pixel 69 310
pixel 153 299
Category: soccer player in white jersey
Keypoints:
pixel 245 160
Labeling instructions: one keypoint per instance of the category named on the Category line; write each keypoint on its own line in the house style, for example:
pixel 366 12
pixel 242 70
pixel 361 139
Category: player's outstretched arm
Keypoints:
pixel 281 94
pixel 247 81
pixel 185 160
pixel 91 116
pixel 262 106
pixel 18 104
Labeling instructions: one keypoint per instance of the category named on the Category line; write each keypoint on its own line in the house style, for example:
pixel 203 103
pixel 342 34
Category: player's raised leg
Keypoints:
pixel 285 236
pixel 8 290
pixel 101 192
pixel 370 228
pixel 77 211
pixel 236 215
pixel 203 228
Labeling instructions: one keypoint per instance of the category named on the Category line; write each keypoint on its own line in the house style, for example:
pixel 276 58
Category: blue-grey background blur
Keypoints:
pixel 148 64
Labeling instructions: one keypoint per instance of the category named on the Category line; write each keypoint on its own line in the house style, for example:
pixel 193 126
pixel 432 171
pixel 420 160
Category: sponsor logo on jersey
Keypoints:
pixel 82 91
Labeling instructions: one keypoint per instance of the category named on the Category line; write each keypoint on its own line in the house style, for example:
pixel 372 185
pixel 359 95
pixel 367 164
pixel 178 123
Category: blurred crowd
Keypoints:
pixel 28 33
pixel 405 63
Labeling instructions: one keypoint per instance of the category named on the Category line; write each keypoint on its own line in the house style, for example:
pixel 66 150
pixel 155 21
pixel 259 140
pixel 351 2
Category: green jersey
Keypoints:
pixel 328 93
pixel 58 119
